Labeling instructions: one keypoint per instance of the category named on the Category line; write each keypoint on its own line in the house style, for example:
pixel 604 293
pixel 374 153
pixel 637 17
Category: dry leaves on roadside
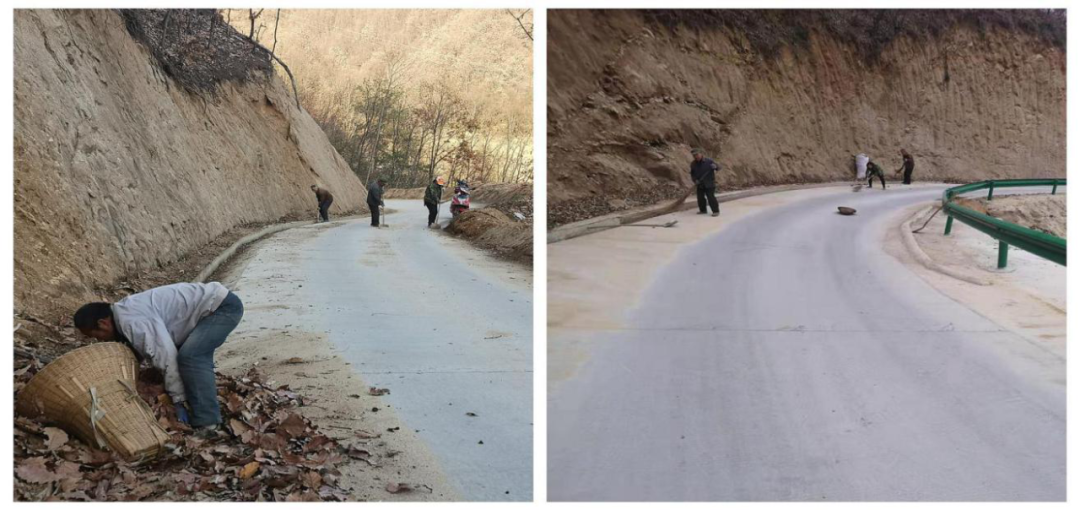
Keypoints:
pixel 378 392
pixel 265 451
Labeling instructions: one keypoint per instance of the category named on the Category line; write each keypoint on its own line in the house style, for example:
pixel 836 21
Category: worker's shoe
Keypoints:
pixel 206 433
pixel 701 212
pixel 716 214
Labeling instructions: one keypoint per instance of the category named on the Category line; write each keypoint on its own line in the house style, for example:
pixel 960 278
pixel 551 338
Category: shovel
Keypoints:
pixel 654 225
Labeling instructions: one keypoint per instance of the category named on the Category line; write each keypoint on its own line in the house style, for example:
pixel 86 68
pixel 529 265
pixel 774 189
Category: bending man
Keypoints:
pixel 325 199
pixel 177 327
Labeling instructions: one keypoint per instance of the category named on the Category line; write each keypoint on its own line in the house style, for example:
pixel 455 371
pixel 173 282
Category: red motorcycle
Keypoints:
pixel 459 203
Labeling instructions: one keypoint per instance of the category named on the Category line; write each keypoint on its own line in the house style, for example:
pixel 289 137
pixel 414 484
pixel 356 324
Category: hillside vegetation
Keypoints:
pixel 406 94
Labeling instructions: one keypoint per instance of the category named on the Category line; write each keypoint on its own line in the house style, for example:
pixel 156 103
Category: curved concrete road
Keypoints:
pixel 444 327
pixel 790 358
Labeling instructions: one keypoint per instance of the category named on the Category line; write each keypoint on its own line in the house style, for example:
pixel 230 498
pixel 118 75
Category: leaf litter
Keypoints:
pixel 264 451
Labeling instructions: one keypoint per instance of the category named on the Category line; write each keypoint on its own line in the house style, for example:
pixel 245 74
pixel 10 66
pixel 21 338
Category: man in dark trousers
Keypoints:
pixel 432 196
pixel 325 199
pixel 374 199
pixel 176 328
pixel 703 173
pixel 908 167
pixel 872 170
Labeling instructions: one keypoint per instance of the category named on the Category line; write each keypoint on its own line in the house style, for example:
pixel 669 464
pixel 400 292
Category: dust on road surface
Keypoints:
pixel 446 328
pixel 785 356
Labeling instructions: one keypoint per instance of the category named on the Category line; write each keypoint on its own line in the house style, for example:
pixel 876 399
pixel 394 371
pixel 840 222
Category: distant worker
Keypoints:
pixel 907 167
pixel 325 199
pixel 703 173
pixel 872 169
pixel 177 327
pixel 375 200
pixel 860 166
pixel 432 196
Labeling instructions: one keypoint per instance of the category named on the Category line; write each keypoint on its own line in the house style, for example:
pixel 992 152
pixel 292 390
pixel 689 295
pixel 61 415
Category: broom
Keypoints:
pixel 679 201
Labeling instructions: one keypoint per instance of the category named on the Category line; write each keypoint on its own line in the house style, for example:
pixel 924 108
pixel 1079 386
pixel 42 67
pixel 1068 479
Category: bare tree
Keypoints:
pixel 252 16
pixel 276 20
pixel 527 28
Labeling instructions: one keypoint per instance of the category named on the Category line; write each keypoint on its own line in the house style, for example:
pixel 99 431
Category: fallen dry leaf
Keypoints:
pixel 34 470
pixel 249 470
pixel 363 434
pixel 395 488
pixel 293 426
pixel 378 392
pixel 57 438
pixel 293 361
pixel 238 427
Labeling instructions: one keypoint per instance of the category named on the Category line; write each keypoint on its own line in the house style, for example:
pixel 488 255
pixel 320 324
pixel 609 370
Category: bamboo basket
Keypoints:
pixel 91 392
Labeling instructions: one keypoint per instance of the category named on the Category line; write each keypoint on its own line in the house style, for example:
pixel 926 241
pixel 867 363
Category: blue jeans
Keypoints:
pixel 195 360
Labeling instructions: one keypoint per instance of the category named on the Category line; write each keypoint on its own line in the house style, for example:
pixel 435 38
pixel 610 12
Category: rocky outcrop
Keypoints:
pixel 628 98
pixel 119 170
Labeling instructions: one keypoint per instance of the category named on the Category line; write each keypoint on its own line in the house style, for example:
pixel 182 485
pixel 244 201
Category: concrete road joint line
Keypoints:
pixel 224 256
pixel 916 251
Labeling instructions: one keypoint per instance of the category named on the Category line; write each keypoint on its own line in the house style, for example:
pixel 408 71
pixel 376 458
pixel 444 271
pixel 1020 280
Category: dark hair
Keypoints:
pixel 88 316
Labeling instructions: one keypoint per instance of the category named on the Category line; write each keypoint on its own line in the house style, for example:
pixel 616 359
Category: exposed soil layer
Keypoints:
pixel 1045 213
pixel 122 171
pixel 492 229
pixel 504 225
pixel 789 98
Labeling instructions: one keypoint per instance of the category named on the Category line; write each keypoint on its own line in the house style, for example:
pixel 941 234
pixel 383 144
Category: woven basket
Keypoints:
pixel 96 381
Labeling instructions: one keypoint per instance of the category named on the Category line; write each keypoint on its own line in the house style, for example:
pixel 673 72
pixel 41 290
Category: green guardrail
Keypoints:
pixel 1047 246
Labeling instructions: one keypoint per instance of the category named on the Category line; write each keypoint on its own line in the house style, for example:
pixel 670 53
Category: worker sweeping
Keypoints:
pixel 872 170
pixel 907 167
pixel 432 195
pixel 325 199
pixel 375 200
pixel 177 328
pixel 703 173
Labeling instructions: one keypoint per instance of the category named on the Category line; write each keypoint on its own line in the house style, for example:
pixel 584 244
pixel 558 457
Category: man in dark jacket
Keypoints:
pixel 325 199
pixel 432 196
pixel 872 169
pixel 375 200
pixel 703 173
pixel 908 167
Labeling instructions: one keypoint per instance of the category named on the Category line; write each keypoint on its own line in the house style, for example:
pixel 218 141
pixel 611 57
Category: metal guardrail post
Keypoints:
pixel 948 226
pixel 990 195
pixel 1003 254
pixel 1053 191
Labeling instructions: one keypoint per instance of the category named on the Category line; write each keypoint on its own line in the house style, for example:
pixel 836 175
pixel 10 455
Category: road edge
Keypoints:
pixel 609 221
pixel 923 259
pixel 228 253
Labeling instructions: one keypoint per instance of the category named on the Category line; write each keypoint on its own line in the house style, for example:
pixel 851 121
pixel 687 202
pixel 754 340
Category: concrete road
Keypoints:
pixel 788 357
pixel 444 327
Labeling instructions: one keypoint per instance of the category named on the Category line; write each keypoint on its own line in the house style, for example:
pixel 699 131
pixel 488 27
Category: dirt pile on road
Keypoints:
pixel 787 97
pixel 492 229
pixel 131 153
pixel 1045 213
pixel 266 451
pixel 504 225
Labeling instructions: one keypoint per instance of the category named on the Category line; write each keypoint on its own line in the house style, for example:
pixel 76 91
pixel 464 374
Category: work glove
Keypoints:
pixel 182 413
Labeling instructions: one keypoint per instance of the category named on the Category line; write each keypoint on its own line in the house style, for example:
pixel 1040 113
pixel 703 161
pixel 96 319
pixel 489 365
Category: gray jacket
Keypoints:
pixel 158 321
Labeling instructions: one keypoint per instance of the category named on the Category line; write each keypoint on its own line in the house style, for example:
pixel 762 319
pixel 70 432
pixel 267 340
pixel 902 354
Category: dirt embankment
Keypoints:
pixel 788 97
pixel 132 155
pixel 1045 213
pixel 504 225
